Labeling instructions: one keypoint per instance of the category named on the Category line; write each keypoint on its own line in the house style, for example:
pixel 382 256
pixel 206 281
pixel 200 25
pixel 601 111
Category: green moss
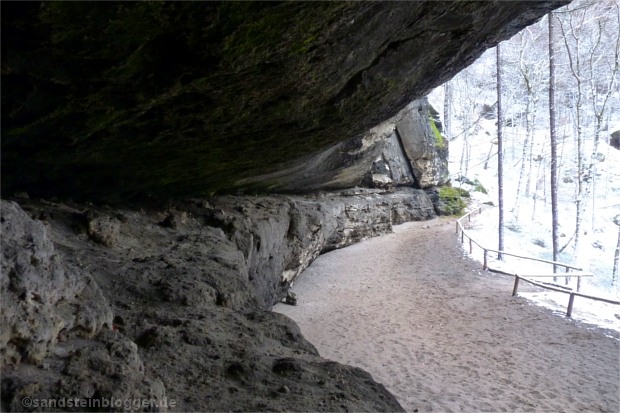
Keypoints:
pixel 448 192
pixel 453 198
pixel 303 47
pixel 438 138
pixel 478 187
pixel 103 120
pixel 256 38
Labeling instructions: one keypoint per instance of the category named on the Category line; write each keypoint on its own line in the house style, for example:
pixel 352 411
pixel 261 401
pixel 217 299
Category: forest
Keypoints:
pixel 535 123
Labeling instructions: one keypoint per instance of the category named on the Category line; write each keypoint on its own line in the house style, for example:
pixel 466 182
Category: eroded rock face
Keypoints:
pixel 146 316
pixel 406 150
pixel 43 298
pixel 424 145
pixel 392 167
pixel 113 100
pixel 119 100
pixel 56 326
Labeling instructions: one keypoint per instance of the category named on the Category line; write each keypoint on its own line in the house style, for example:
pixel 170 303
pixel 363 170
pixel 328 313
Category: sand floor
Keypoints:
pixel 444 336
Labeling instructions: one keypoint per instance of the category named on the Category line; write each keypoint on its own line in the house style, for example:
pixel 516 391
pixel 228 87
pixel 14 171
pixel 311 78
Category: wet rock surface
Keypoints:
pixel 181 312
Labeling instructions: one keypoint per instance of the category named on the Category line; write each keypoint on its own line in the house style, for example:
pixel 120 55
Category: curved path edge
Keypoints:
pixel 443 335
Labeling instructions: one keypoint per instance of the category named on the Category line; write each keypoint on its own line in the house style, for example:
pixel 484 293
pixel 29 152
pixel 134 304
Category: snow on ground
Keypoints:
pixel 528 219
pixel 590 311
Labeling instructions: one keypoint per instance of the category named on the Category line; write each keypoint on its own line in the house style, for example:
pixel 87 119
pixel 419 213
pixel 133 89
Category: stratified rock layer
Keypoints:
pixel 177 306
pixel 406 150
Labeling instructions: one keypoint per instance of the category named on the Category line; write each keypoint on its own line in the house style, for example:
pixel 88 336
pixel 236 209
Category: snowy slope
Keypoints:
pixel 528 221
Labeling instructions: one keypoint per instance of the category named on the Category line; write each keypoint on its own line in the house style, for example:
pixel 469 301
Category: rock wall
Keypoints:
pixel 57 338
pixel 221 96
pixel 392 167
pixel 101 303
pixel 423 144
pixel 614 139
pixel 406 150
pixel 415 153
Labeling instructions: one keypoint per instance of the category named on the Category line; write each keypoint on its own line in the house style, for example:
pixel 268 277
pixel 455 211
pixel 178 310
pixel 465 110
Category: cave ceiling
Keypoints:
pixel 122 100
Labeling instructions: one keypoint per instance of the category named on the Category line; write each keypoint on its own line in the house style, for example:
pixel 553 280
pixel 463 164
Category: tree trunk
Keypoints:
pixel 614 275
pixel 447 110
pixel 553 142
pixel 486 161
pixel 500 155
pixel 574 60
pixel 599 107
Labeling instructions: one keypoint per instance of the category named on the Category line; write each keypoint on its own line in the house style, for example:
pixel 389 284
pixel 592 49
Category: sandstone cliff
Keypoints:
pixel 406 150
pixel 173 304
pixel 106 304
pixel 168 103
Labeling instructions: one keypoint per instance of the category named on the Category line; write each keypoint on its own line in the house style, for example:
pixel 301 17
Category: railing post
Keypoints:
pixel 462 237
pixel 471 247
pixel 578 284
pixel 484 265
pixel 514 290
pixel 569 310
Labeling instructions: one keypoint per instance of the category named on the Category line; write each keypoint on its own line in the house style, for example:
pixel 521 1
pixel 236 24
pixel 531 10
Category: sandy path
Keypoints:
pixel 444 336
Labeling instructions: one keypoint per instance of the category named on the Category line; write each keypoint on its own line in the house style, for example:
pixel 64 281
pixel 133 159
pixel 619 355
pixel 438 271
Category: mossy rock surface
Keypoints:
pixel 114 100
pixel 452 198
pixel 449 192
pixel 438 138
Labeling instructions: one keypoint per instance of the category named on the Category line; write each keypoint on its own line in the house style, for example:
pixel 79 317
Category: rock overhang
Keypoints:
pixel 119 100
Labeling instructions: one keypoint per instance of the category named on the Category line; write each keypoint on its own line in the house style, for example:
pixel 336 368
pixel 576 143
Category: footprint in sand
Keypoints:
pixel 492 352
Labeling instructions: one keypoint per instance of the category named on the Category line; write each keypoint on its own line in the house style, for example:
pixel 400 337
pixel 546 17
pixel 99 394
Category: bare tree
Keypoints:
pixel 575 66
pixel 590 36
pixel 530 66
pixel 614 275
pixel 582 64
pixel 553 142
pixel 500 157
pixel 447 109
pixel 606 54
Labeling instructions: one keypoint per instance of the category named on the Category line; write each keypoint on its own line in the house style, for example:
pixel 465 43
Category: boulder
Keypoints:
pixel 104 230
pixel 614 139
pixel 425 147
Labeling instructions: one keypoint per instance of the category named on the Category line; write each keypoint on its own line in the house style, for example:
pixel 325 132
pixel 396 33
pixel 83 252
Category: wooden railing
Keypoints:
pixel 571 300
pixel 573 294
